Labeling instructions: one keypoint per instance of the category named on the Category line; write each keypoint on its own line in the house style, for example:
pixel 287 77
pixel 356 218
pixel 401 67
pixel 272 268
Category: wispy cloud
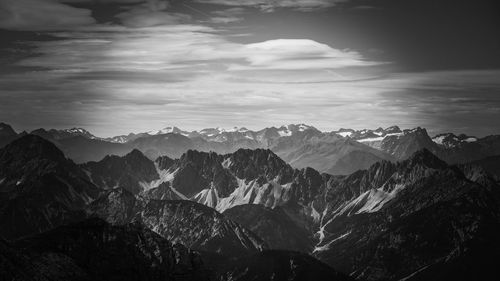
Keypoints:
pixel 156 67
pixel 269 6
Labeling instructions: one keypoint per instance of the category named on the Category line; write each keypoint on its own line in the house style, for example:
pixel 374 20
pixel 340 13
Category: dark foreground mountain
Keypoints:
pixel 133 171
pixel 95 250
pixel 274 226
pixel 490 164
pixel 395 221
pixel 279 266
pixel 39 187
pixel 7 134
pixel 80 145
pixel 189 223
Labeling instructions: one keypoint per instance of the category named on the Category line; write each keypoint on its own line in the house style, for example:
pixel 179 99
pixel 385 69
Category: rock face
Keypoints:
pixel 274 226
pixel 19 265
pixel 403 146
pixel 80 145
pixel 328 153
pixel 7 134
pixel 199 227
pixel 244 177
pixel 134 172
pixel 417 219
pixel 185 222
pixel 39 187
pixel 490 164
pixel 280 266
pixel 395 220
pixel 99 251
pixel 172 145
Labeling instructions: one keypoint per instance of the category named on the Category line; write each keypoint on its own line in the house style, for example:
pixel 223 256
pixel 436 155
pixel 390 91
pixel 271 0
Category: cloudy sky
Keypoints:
pixel 120 66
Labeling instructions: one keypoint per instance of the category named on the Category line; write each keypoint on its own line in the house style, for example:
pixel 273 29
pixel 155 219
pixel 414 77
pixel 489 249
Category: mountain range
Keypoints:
pixel 420 208
pixel 340 152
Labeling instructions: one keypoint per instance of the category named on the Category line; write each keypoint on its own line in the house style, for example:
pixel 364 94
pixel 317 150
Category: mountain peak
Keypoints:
pixel 33 147
pixel 426 158
pixel 393 129
pixel 135 153
pixel 299 127
pixel 78 132
pixel 6 130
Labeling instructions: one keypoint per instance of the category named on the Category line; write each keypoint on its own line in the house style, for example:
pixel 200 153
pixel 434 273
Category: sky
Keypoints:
pixel 120 66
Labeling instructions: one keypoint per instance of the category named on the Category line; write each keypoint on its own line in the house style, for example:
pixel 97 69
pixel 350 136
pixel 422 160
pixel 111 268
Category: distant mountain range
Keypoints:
pixel 340 152
pixel 421 211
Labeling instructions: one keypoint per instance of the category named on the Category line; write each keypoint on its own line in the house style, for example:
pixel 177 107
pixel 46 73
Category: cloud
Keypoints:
pixel 230 12
pixel 149 14
pixel 269 6
pixel 225 20
pixel 182 47
pixel 298 54
pixel 39 15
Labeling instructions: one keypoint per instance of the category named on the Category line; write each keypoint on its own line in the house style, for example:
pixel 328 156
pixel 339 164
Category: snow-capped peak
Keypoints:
pixel 236 130
pixel 451 140
pixel 76 131
pixel 79 132
pixel 168 130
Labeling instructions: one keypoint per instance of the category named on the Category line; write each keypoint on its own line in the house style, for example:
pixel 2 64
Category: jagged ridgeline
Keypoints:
pixel 339 152
pixel 251 214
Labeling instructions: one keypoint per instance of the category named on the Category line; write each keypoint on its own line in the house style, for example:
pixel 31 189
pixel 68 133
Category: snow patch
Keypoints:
pixel 182 196
pixel 439 140
pixel 165 176
pixel 414 273
pixel 345 134
pixel 207 197
pixel 371 139
pixel 226 164
pixel 303 127
pixel 327 245
pixel 285 133
pixel 269 194
pixel 370 201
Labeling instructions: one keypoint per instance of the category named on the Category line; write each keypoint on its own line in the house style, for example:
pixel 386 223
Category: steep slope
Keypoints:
pixel 273 226
pixel 280 266
pixel 396 219
pixel 185 222
pixel 39 187
pixel 403 146
pixel 244 177
pixel 81 149
pixel 171 145
pixel 117 206
pixel 454 149
pixel 490 164
pixel 328 153
pixel 199 227
pixel 449 140
pixel 19 265
pixel 107 252
pixel 134 171
pixel 354 161
pixel 7 134
pixel 80 145
pixel 369 137
pixel 54 134
pixel 465 151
